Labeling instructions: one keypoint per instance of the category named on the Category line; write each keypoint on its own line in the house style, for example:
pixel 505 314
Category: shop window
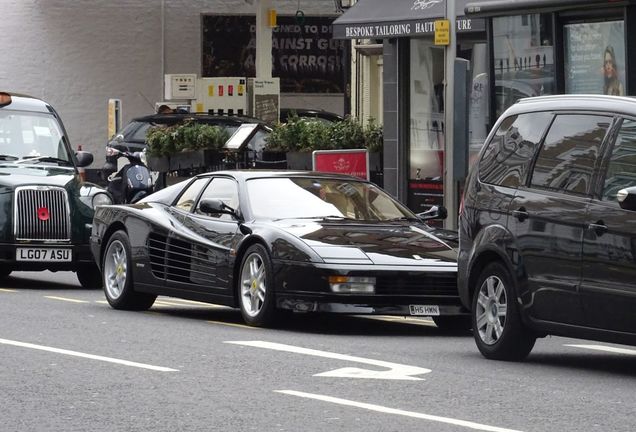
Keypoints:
pixel 595 58
pixel 524 58
pixel 569 153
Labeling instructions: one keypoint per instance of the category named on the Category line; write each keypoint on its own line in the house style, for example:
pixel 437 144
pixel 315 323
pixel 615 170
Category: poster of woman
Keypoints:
pixel 595 58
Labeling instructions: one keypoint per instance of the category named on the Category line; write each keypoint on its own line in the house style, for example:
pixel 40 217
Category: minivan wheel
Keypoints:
pixel 497 327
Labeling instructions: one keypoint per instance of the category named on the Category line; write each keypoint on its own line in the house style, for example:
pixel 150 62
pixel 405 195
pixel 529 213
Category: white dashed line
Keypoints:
pixel 386 410
pixel 65 299
pixel 605 348
pixel 88 356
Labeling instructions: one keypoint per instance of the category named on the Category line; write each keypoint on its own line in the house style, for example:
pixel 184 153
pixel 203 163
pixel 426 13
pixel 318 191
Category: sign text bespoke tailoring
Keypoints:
pixel 409 28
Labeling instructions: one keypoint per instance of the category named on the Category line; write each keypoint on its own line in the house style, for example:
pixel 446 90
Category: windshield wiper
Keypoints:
pixel 37 159
pixel 8 157
pixel 328 217
pixel 403 218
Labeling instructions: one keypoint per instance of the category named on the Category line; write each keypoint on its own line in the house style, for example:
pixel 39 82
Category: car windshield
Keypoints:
pixel 30 135
pixel 307 197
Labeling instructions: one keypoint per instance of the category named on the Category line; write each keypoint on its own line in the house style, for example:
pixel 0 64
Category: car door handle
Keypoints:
pixel 521 214
pixel 599 227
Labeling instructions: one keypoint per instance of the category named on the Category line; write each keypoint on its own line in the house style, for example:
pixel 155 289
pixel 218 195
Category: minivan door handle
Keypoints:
pixel 599 227
pixel 521 214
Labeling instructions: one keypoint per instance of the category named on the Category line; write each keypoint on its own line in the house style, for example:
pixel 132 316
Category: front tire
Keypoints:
pixel 89 276
pixel 497 327
pixel 118 278
pixel 256 288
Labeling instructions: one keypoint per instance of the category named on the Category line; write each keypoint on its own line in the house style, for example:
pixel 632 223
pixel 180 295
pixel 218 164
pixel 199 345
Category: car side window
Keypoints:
pixel 188 197
pixel 509 153
pixel 224 189
pixel 569 153
pixel 621 169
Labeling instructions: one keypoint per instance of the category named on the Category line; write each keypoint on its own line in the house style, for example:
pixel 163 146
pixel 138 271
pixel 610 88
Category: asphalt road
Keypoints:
pixel 71 363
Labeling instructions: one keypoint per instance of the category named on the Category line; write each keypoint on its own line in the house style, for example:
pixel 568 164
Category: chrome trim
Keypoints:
pixel 27 200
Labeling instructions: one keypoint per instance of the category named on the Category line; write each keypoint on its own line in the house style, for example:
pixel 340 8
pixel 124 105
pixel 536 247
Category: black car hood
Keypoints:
pixel 12 175
pixel 394 243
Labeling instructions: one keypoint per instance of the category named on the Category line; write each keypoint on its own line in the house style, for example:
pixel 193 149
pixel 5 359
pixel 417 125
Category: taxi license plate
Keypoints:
pixel 44 254
pixel 424 310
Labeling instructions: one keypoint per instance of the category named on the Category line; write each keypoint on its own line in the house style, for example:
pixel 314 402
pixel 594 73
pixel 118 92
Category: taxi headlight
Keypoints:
pixel 101 199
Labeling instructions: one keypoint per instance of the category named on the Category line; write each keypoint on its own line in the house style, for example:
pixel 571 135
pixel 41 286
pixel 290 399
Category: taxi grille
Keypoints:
pixel 41 213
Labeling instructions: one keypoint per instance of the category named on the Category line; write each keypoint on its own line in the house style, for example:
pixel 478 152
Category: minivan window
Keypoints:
pixel 621 170
pixel 508 155
pixel 570 150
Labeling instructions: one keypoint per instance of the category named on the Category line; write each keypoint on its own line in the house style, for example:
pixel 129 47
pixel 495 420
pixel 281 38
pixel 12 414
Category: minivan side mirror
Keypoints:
pixel 627 198
pixel 435 212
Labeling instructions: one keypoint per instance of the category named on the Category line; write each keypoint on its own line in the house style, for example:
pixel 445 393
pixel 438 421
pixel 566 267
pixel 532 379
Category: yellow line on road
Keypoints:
pixel 234 325
pixel 7 290
pixel 66 299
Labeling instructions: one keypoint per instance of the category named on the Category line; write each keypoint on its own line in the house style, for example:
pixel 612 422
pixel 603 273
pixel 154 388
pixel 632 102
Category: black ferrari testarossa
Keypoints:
pixel 270 240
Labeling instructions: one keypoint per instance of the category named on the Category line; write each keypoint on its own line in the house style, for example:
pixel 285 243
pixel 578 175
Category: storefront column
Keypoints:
pixel 394 158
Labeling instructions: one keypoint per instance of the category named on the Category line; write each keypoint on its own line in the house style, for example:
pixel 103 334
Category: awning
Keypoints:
pixel 518 7
pixel 379 19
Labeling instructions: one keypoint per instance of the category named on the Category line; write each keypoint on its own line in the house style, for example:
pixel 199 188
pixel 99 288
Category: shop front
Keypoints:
pixel 542 47
pixel 413 89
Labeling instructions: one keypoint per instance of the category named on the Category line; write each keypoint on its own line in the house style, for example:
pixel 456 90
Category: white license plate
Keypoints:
pixel 425 310
pixel 44 254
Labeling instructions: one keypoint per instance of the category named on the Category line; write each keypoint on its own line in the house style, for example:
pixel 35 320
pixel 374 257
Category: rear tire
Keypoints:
pixel 497 327
pixel 89 276
pixel 453 322
pixel 118 278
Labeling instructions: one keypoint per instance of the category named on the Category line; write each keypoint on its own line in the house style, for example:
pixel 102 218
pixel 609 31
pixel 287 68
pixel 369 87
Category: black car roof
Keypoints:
pixel 251 174
pixel 171 118
pixel 604 103
pixel 23 102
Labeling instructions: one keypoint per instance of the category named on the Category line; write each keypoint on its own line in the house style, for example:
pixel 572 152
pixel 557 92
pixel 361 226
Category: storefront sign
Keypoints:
pixel 442 32
pixel 352 162
pixel 304 56
pixel 407 28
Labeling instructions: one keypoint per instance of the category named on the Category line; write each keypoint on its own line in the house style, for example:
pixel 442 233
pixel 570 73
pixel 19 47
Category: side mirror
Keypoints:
pixel 84 158
pixel 216 206
pixel 627 198
pixel 435 212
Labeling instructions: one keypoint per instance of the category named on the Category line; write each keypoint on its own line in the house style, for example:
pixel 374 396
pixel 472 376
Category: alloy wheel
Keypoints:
pixel 491 309
pixel 253 284
pixel 115 269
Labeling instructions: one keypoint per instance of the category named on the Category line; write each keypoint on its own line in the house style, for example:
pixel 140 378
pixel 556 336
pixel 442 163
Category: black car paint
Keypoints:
pixel 301 262
pixel 571 280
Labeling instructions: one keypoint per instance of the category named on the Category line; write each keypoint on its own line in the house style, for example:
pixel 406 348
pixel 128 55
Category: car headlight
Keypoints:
pixel 101 199
pixel 352 284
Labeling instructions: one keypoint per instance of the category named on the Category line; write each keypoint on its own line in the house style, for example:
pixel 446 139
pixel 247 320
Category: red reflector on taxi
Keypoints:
pixel 5 99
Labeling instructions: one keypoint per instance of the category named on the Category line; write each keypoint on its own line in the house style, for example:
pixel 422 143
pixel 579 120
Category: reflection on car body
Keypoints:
pixel 270 240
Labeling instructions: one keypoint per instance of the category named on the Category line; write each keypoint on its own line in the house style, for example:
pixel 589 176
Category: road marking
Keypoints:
pixel 605 348
pixel 192 304
pixel 404 320
pixel 386 410
pixel 7 290
pixel 101 301
pixel 65 299
pixel 234 325
pixel 88 356
pixel 395 371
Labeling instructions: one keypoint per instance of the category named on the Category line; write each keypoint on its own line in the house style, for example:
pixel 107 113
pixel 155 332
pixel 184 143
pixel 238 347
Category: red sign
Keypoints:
pixel 352 162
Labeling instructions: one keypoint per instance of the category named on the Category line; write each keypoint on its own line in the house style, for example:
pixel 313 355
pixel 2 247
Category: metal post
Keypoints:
pixel 450 188
pixel 263 40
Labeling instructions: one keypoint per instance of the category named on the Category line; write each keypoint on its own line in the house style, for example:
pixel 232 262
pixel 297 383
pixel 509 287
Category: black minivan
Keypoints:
pixel 547 226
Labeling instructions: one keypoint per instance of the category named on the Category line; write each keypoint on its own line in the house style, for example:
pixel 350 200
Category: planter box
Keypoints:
pixel 158 163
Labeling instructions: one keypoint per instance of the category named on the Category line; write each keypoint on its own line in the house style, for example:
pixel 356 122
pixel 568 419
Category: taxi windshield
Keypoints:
pixel 29 135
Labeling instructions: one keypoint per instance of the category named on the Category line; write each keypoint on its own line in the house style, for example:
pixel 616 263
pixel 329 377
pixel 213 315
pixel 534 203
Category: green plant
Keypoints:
pixel 164 141
pixel 304 135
